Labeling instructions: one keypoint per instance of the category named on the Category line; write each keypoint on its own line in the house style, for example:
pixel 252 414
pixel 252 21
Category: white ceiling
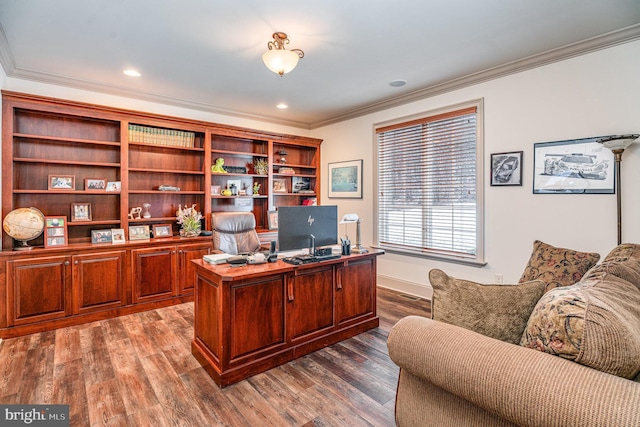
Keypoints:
pixel 206 54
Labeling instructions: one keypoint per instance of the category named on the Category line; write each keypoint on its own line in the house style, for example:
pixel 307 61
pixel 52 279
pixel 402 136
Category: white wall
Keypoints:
pixel 590 95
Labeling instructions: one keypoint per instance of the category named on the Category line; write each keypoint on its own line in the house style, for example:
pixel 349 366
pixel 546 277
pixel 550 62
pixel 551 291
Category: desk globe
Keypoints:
pixel 23 224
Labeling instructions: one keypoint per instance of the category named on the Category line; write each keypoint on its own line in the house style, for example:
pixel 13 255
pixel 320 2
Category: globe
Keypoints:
pixel 24 224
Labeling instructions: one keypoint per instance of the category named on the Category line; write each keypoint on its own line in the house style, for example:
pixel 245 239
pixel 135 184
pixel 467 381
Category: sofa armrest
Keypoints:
pixel 524 386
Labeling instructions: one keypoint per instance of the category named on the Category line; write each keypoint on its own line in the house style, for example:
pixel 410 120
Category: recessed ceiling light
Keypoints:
pixel 132 73
pixel 282 106
pixel 398 83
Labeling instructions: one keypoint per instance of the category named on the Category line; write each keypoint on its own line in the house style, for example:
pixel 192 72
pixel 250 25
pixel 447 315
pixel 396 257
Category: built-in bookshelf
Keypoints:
pixel 156 161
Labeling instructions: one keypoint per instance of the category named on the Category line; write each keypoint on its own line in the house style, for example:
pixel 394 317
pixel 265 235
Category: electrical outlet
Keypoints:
pixel 499 278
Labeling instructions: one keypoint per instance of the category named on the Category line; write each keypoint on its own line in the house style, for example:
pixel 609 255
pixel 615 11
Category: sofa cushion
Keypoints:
pixel 498 311
pixel 557 266
pixel 624 252
pixel 595 322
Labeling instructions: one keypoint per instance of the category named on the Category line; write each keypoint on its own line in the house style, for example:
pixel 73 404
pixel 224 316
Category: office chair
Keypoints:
pixel 234 232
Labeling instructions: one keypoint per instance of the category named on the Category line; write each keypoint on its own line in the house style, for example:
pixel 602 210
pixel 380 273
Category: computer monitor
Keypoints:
pixel 301 227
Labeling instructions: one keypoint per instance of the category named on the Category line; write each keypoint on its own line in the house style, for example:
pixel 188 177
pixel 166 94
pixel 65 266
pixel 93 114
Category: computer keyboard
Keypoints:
pixel 308 259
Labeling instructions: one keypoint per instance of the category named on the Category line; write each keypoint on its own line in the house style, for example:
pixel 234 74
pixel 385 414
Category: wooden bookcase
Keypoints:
pixel 45 137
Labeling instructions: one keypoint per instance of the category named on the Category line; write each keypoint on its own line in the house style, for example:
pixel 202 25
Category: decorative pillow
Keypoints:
pixel 557 266
pixel 595 323
pixel 627 270
pixel 624 252
pixel 497 311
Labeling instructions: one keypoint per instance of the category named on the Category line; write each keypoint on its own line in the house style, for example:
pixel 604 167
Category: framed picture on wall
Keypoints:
pixel 345 180
pixel 273 220
pixel 506 168
pixel 573 166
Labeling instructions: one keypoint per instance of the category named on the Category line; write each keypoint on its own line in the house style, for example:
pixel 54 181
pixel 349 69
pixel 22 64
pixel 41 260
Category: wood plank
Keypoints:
pixel 138 370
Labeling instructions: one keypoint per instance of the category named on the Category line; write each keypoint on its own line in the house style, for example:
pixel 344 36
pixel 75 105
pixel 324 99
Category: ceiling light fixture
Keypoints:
pixel 132 73
pixel 277 58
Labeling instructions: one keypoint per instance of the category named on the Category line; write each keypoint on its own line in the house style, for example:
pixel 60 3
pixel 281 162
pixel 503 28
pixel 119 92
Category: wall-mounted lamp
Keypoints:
pixel 277 58
pixel 351 218
pixel 617 144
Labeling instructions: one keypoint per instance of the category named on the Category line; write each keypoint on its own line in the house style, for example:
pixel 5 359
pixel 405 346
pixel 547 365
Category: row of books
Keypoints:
pixel 159 136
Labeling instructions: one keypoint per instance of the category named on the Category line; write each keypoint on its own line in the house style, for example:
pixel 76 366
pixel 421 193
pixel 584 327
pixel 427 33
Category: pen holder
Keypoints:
pixel 346 248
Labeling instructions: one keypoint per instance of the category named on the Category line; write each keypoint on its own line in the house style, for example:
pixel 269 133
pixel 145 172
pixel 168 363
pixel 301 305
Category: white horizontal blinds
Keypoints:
pixel 427 184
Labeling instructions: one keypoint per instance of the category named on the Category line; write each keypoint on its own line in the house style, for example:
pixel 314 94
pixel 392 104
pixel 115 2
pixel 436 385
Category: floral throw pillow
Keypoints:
pixel 557 266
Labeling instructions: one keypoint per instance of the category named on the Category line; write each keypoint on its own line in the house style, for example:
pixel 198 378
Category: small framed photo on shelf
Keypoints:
pixel 215 190
pixel 506 168
pixel 62 182
pixel 114 186
pixel 139 232
pixel 55 231
pixel 162 230
pixel 80 212
pixel 117 236
pixel 95 184
pixel 272 217
pixel 345 180
pixel 301 184
pixel 100 236
pixel 279 185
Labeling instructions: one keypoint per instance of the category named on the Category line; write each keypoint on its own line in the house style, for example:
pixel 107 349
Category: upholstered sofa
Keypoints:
pixel 542 352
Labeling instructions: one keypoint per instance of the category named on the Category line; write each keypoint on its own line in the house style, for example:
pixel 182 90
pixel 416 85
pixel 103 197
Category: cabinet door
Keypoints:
pixel 187 271
pixel 309 301
pixel 39 289
pixel 98 281
pixel 154 273
pixel 355 290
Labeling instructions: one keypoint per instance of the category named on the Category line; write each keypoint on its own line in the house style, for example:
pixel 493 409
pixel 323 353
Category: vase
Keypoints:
pixel 189 233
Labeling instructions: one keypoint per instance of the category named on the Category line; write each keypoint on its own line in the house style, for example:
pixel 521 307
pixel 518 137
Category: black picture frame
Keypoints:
pixel 506 168
pixel 575 166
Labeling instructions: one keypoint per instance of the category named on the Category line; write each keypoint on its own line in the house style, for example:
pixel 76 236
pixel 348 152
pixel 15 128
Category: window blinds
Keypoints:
pixel 427 185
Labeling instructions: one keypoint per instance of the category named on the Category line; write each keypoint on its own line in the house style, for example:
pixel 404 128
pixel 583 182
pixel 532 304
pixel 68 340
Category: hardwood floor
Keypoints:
pixel 138 370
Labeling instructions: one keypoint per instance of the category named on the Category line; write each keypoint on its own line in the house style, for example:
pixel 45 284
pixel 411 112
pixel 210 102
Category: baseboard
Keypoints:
pixel 404 286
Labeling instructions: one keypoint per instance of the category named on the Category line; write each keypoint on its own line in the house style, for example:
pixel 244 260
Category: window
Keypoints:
pixel 430 183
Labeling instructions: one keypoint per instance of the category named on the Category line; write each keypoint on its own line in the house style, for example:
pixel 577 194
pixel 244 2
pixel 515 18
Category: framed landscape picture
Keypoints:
pixel 162 230
pixel 139 232
pixel 345 180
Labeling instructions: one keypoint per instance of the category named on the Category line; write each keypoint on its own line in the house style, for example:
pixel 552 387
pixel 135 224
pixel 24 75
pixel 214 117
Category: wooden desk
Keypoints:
pixel 253 318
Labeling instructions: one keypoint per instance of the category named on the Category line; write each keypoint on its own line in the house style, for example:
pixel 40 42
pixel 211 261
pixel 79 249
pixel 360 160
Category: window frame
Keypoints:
pixel 477 259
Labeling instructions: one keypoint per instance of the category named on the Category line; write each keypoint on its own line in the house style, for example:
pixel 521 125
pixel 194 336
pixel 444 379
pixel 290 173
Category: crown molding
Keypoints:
pixel 604 41
pixel 613 38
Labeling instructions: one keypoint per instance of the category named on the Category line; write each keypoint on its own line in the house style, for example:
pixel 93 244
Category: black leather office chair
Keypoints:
pixel 234 232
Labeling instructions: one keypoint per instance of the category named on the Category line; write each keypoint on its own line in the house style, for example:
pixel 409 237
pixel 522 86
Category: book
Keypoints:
pixel 216 258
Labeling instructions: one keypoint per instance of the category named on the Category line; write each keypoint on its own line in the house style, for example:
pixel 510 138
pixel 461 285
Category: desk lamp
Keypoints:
pixel 350 218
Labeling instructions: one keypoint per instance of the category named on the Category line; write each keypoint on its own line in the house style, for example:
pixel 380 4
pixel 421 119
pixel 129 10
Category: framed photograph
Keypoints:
pixel 506 168
pixel 117 236
pixel 234 183
pixel 95 184
pixel 55 231
pixel 272 217
pixel 80 212
pixel 114 186
pixel 62 182
pixel 100 236
pixel 139 232
pixel 162 230
pixel 301 184
pixel 215 190
pixel 345 180
pixel 574 166
pixel 279 185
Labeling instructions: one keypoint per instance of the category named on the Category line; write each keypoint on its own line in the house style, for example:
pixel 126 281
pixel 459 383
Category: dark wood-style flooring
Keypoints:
pixel 138 370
